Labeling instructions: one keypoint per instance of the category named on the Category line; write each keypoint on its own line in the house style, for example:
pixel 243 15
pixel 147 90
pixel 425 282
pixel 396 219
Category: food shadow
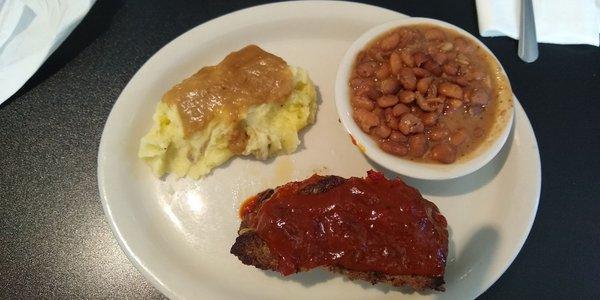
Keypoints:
pixel 474 260
pixel 461 185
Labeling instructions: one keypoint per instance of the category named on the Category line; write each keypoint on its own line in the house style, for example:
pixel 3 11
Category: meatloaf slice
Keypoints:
pixel 428 234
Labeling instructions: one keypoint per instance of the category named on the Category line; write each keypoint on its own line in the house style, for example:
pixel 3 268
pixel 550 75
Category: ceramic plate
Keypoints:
pixel 178 232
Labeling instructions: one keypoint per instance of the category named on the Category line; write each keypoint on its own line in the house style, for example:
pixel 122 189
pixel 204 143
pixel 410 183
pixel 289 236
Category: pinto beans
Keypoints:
pixel 366 119
pixel 409 123
pixel 417 145
pixel 366 69
pixel 423 84
pixel 420 58
pixel 407 79
pixel 451 90
pixel 390 86
pixel 394 148
pixel 429 118
pixel 395 63
pixel 383 72
pixel 450 68
pixel 420 72
pixel 363 102
pixel 406 96
pixel 382 131
pixel 387 101
pixel 443 153
pixel 458 137
pixel 434 34
pixel 390 42
pixel 429 104
pixel 397 136
pixel 407 59
pixel 424 92
pixel 438 133
pixel 400 109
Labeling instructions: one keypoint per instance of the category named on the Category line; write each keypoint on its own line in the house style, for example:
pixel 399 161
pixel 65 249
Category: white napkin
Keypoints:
pixel 30 30
pixel 556 21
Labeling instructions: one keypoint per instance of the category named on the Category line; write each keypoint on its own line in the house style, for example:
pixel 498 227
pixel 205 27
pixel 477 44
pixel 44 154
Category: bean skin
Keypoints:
pixel 390 86
pixel 366 119
pixel 389 119
pixel 406 96
pixel 451 55
pixel 382 131
pixel 429 104
pixel 379 112
pixel 432 91
pixel 440 57
pixel 387 101
pixel 407 79
pixel 451 90
pixel 420 58
pixel 417 145
pixel 400 109
pixel 390 42
pixel 363 102
pixel 380 57
pixel 392 123
pixel 407 59
pixel 479 96
pixel 438 133
pixel 366 69
pixel 368 91
pixel 443 153
pixel 433 67
pixel 383 72
pixel 450 68
pixel 458 137
pixel 420 72
pixel 434 34
pixel 429 118
pixel 397 136
pixel 462 59
pixel 462 45
pixel 409 123
pixel 458 80
pixel 395 63
pixel 356 82
pixel 447 46
pixel 454 103
pixel 423 84
pixel 475 75
pixel 475 110
pixel 394 148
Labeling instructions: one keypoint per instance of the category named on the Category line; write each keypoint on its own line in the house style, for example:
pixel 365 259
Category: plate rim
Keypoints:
pixel 153 278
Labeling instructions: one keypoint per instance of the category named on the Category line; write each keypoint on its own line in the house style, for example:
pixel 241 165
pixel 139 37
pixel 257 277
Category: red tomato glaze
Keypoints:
pixel 370 224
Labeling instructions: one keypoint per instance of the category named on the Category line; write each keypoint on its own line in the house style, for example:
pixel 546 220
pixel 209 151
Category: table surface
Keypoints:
pixel 56 243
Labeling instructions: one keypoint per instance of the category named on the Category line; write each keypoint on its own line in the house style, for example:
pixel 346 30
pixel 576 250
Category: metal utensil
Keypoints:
pixel 528 48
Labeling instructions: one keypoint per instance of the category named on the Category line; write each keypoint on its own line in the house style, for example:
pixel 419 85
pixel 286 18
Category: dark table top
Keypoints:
pixel 56 243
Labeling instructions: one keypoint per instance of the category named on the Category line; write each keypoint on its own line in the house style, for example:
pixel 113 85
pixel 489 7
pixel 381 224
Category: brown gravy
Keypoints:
pixel 247 77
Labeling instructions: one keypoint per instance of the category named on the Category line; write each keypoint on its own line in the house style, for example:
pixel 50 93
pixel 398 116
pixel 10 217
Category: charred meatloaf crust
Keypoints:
pixel 372 228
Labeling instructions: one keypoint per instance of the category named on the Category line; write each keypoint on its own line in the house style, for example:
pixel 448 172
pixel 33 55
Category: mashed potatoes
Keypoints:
pixel 272 128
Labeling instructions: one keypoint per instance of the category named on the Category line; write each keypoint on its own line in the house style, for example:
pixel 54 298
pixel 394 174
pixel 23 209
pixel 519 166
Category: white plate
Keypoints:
pixel 178 232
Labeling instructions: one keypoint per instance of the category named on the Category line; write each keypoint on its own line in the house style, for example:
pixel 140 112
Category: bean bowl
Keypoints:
pixel 411 146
